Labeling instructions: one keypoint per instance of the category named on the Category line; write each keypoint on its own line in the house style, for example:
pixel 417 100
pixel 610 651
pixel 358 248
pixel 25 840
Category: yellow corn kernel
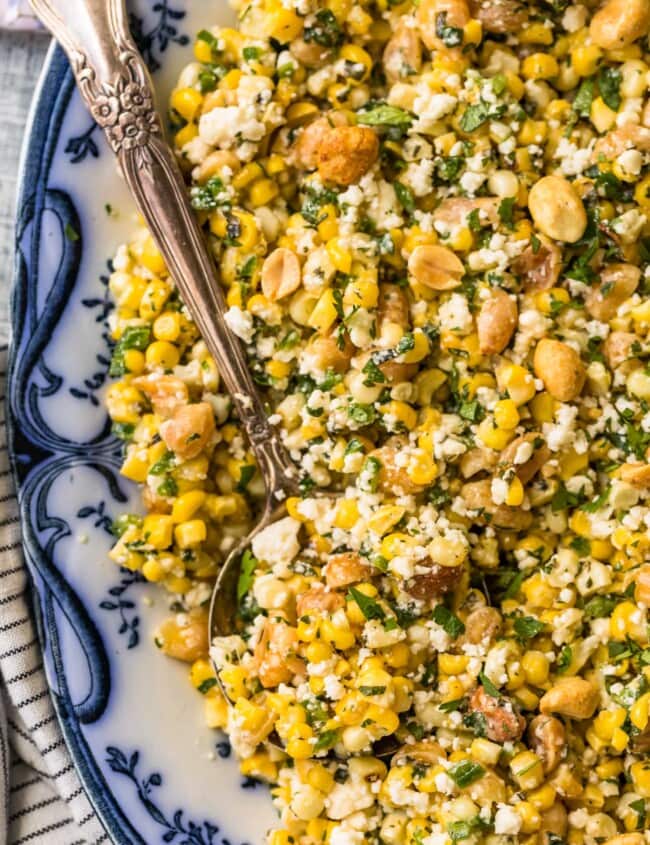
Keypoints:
pixel 485 752
pixel 216 711
pixel 397 656
pixel 536 33
pixel 185 135
pixel 262 192
pixel 318 651
pixel 461 239
pixel 602 117
pixel 538 591
pixel 452 664
pixel 517 381
pixel 282 24
pixel 278 369
pixel 361 293
pixel 619 740
pixel 642 193
pixel 248 174
pixel 420 349
pixel 341 638
pixel 340 256
pixel 540 66
pixel 542 407
pixel 153 570
pixel 506 415
pixel 328 227
pixel 347 514
pixel 547 301
pixel 384 518
pixel 356 55
pixel 585 59
pixel 135 467
pixel 421 468
pixel 153 300
pixel 160 353
pixel 493 438
pixel 472 32
pixel 527 769
pixel 515 494
pixel 640 773
pixel 167 326
pixel 187 505
pixel 543 797
pixel 187 102
pixel 151 257
pixel 134 361
pixel 627 620
pixel 157 530
pixel 190 534
pixel 324 313
pixel 386 719
pixel 531 819
pixel 532 132
pixel 639 711
pixel 536 667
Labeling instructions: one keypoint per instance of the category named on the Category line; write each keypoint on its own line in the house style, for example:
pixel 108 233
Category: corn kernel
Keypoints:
pixel 190 534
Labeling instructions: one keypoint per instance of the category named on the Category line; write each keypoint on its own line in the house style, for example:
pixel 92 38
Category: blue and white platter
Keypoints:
pixel 134 726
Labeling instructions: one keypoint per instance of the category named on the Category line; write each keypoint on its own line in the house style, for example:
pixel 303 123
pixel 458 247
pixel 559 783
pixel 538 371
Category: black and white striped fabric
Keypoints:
pixel 41 799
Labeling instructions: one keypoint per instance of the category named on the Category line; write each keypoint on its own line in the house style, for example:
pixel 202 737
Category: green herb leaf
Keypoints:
pixel 372 690
pixel 373 375
pixel 449 621
pixel 609 85
pixel 451 36
pixel 210 196
pixel 385 115
pixel 450 706
pixel 506 211
pixel 207 685
pixel 526 627
pixel 246 474
pixel 362 414
pixel 368 606
pixel 71 233
pixel 405 196
pixel 488 686
pixel 169 487
pixel 465 773
pixel 162 466
pixel 133 337
pixel 246 570
pixel 564 659
pixel 326 740
pixel 476 115
pixel 584 98
pixel 600 607
pixel 324 30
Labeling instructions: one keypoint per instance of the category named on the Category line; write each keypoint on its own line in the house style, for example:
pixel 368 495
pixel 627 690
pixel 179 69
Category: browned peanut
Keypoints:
pixel 187 433
pixel 502 722
pixel 560 368
pixel 275 654
pixel 630 136
pixel 627 839
pixel 434 583
pixel 618 348
pixel 574 698
pixel 309 53
pixel 481 626
pixel 619 23
pixel 344 569
pixel 436 267
pixel 393 477
pixel 496 322
pixel 402 54
pixel 346 153
pixel 429 12
pixel 555 821
pixel 393 307
pixel 331 352
pixel 557 210
pixel 617 283
pixel 637 474
pixel 280 274
pixel 499 16
pixel 642 589
pixel 166 393
pixel 540 265
pixel 184 637
pixel 318 600
pixel 214 163
pixel 477 460
pixel 454 211
pixel 304 151
pixel 478 497
pixel 548 740
pixel 526 470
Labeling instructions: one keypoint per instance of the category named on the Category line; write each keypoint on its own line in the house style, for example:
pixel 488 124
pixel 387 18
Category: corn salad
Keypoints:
pixel 432 223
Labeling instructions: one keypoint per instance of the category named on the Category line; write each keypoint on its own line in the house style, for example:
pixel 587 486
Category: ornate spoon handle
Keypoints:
pixel 116 86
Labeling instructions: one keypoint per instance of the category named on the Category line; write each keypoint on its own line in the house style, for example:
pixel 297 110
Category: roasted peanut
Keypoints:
pixel 527 454
pixel 280 274
pixel 628 137
pixel 331 352
pixel 188 432
pixel 574 698
pixel 477 460
pixel 275 654
pixel 454 211
pixel 617 284
pixel 317 600
pixel 456 14
pixel 436 267
pixel 478 497
pixel 499 16
pixel 185 636
pixel 309 53
pixel 642 589
pixel 344 569
pixel 637 474
pixel 502 722
pixel 627 839
pixel 539 265
pixel 548 740
pixel 619 23
pixel 434 583
pixel 560 368
pixel 402 54
pixel 482 626
pixel 304 151
pixel 617 348
pixel 346 153
pixel 166 393
pixel 392 476
pixel 557 210
pixel 554 821
pixel 214 163
pixel 496 322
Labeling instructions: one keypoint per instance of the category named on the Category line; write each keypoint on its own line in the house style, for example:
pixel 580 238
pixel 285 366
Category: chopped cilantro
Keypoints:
pixel 526 627
pixel 324 30
pixel 465 772
pixel 133 337
pixel 405 196
pixel 326 739
pixel 506 211
pixel 246 474
pixel 207 685
pixel 584 98
pixel 488 686
pixel 385 115
pixel 369 607
pixel 451 36
pixel 609 85
pixel 246 570
pixel 449 621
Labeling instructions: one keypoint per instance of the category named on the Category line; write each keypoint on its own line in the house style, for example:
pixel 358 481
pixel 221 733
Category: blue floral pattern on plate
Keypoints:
pixel 123 709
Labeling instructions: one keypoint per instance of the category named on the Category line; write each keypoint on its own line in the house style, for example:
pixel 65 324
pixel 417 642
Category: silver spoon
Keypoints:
pixel 116 86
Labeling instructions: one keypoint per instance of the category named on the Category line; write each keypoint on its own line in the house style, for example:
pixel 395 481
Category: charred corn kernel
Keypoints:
pixel 324 313
pixel 421 468
pixel 248 174
pixel 262 192
pixel 585 59
pixel 157 530
pixel 190 534
pixel 167 327
pixel 527 770
pixel 153 570
pixel 186 134
pixel 540 66
pixel 452 664
pixel 328 227
pixel 536 667
pixel 340 256
pixel 494 438
pixel 135 467
pixel 602 117
pixel 278 369
pixel 506 415
pixel 536 33
pixel 347 514
pixel 360 60
pixel 187 505
pixel 517 381
pixel 515 494
pixel 160 353
pixel 187 102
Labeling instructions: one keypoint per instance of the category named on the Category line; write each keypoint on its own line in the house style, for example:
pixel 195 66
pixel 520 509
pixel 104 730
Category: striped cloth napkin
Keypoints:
pixel 42 801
